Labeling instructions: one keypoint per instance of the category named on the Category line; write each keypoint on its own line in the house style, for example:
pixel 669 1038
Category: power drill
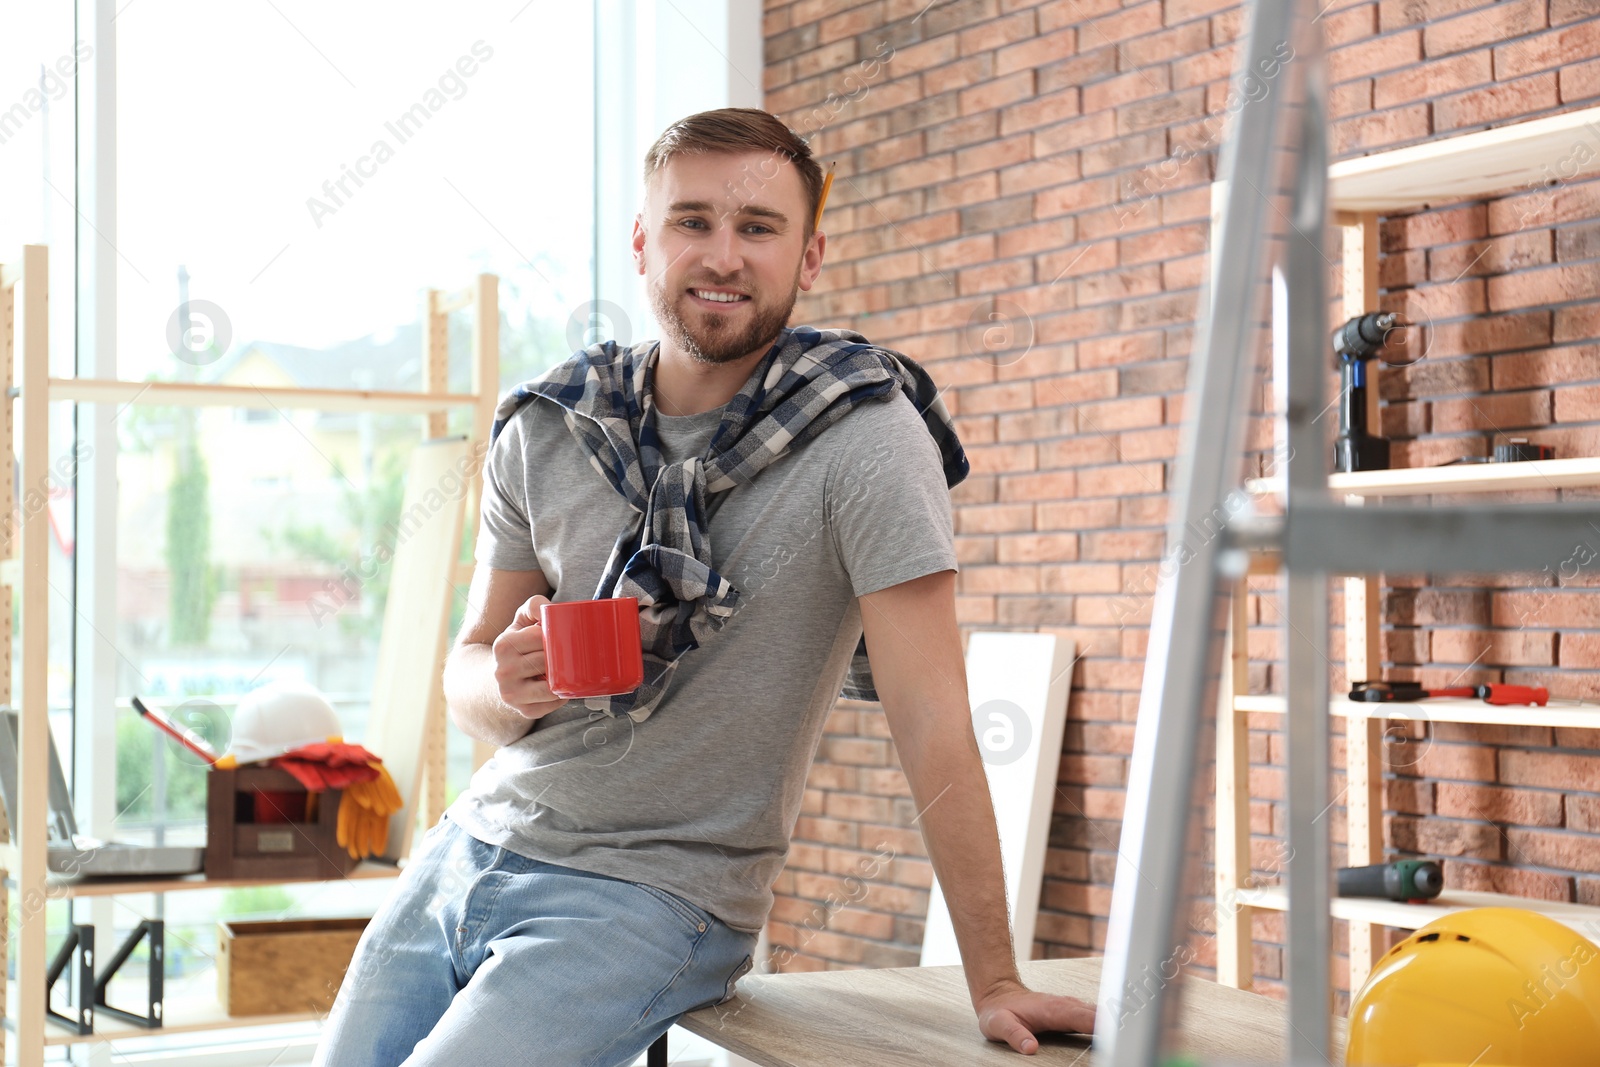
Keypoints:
pixel 1354 344
pixel 1400 880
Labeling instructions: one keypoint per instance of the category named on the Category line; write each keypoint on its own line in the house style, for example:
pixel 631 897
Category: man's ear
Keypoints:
pixel 638 241
pixel 811 262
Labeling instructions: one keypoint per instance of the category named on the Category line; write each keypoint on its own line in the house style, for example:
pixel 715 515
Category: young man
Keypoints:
pixel 771 495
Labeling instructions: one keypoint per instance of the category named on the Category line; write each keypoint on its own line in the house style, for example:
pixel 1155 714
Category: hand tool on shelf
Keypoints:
pixel 1491 692
pixel 181 734
pixel 1402 880
pixel 1375 335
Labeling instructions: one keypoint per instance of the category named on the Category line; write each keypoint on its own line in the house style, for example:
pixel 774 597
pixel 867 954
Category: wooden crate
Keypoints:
pixel 280 967
pixel 236 847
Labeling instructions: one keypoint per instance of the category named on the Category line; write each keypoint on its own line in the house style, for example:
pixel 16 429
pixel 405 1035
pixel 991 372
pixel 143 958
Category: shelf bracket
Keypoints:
pixel 77 950
pixel 155 929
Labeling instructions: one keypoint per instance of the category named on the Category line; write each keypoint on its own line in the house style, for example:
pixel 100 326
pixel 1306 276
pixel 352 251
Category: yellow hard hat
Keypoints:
pixel 1489 987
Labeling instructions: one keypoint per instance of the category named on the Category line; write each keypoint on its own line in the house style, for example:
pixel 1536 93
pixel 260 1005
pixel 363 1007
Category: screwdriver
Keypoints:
pixel 1492 692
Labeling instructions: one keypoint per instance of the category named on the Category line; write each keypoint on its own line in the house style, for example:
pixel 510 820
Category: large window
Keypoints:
pixel 293 176
pixel 262 193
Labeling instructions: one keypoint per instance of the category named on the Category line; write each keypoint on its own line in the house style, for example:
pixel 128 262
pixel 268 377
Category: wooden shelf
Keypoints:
pixel 62 888
pixel 1524 155
pixel 1447 709
pixel 183 1014
pixel 1405 916
pixel 1578 473
pixel 191 394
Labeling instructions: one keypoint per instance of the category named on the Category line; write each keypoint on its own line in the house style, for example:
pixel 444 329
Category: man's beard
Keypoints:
pixel 715 338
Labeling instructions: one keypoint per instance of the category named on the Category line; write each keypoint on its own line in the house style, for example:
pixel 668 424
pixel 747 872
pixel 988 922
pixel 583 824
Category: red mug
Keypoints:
pixel 592 647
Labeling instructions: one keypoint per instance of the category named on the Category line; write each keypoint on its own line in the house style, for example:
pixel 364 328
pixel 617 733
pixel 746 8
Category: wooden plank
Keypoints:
pixel 436 378
pixel 1521 156
pixel 1573 473
pixel 8 548
pixel 1022 680
pixel 1404 916
pixel 183 1012
pixel 1235 946
pixel 1363 634
pixel 485 383
pixel 410 650
pixel 1574 714
pixel 1579 472
pixel 64 888
pixel 33 754
pixel 914 1016
pixel 192 394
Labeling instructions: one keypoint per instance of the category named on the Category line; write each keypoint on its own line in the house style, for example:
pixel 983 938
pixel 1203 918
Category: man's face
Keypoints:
pixel 729 225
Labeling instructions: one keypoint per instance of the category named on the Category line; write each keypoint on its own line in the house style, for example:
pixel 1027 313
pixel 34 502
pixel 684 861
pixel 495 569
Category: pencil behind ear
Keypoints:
pixel 822 201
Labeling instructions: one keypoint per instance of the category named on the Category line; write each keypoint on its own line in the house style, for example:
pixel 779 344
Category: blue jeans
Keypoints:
pixel 485 957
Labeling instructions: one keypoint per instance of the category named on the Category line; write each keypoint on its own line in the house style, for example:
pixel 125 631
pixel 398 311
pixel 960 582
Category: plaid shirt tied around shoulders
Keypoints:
pixel 807 381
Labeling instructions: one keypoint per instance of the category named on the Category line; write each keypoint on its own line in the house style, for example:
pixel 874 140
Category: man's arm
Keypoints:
pixel 494 676
pixel 914 646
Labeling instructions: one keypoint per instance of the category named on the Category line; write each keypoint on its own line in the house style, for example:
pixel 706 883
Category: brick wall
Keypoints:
pixel 1040 171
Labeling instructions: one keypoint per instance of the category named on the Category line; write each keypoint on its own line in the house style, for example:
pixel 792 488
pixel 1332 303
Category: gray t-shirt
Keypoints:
pixel 701 798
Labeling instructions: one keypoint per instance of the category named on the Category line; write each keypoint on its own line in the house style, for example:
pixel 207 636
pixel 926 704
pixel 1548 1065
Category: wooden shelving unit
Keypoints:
pixel 1509 159
pixel 24 362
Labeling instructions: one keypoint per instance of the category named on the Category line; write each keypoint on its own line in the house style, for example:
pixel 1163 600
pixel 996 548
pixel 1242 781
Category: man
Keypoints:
pixel 772 495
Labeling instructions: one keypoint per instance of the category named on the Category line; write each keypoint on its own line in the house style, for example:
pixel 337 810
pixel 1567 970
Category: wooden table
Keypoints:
pixel 916 1016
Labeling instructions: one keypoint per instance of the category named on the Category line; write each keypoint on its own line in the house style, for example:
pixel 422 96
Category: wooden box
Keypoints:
pixel 239 847
pixel 285 966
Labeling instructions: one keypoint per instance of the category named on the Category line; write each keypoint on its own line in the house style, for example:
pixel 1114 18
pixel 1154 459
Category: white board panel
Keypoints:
pixel 410 660
pixel 1017 684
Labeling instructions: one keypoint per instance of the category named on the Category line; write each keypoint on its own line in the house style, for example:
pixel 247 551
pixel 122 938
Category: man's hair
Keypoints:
pixel 741 129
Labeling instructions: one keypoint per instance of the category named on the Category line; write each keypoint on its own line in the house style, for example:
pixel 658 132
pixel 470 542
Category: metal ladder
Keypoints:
pixel 1316 538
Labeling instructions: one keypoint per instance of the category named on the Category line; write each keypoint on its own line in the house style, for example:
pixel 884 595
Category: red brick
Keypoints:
pixel 1425 229
pixel 1176 45
pixel 1499 412
pixel 1524 807
pixel 1578 403
pixel 1037 51
pixel 1369 57
pixel 1429 80
pixel 986 36
pixel 1580 650
pixel 1038 548
pixel 1045 485
pixel 1549 285
pixel 997 93
pixel 1549 848
pixel 1496 256
pixel 1125 414
pixel 1078 515
pixel 1551 770
pixel 998 518
pixel 1082 578
pixel 1349 25
pixel 1546 51
pixel 1462 762
pixel 1583 812
pixel 1122 479
pixel 1496 333
pixel 1580 81
pixel 1446 837
pixel 1494 648
pixel 1487 878
pixel 1497 103
pixel 1123 544
pixel 1487 25
pixel 1366 132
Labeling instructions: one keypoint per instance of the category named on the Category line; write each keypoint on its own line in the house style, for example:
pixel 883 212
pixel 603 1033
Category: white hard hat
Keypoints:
pixel 278 718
